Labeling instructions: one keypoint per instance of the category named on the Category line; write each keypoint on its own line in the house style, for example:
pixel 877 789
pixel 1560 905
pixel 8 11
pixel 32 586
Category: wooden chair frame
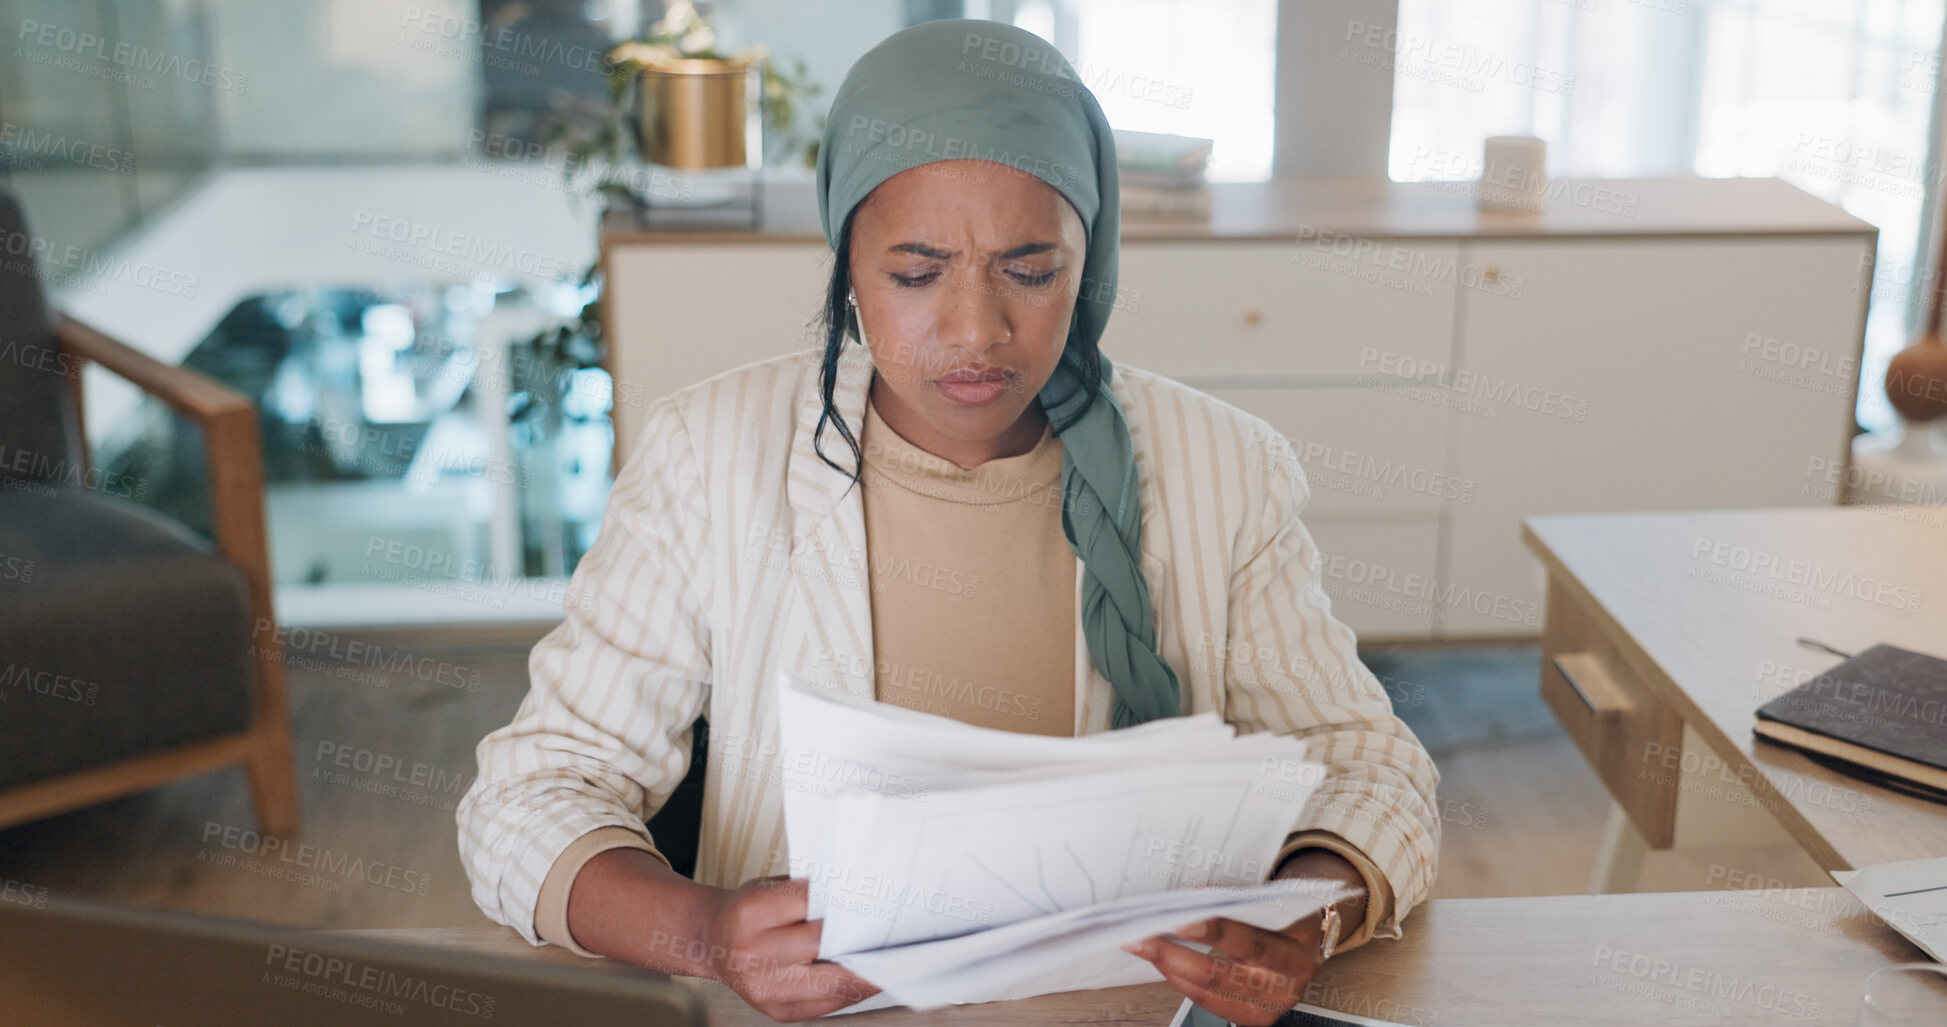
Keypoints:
pixel 234 454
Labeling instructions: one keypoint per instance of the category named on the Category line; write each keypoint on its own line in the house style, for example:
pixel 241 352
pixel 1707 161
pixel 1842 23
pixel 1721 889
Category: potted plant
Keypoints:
pixel 605 161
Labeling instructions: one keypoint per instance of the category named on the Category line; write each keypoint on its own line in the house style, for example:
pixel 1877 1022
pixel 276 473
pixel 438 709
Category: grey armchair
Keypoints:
pixel 132 651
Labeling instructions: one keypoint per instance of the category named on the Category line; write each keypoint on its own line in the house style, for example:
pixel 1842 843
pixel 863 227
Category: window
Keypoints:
pixel 1834 96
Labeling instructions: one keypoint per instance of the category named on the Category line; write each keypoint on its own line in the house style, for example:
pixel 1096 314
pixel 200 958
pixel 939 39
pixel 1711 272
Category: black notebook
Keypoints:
pixel 1881 715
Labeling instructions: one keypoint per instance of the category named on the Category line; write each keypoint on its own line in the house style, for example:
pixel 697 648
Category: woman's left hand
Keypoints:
pixel 1253 975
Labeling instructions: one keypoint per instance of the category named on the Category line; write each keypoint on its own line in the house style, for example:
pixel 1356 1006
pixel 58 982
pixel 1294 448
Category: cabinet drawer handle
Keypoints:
pixel 1253 317
pixel 1592 684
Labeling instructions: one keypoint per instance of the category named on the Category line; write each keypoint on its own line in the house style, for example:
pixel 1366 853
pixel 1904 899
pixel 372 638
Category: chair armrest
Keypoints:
pixel 231 446
pixel 188 393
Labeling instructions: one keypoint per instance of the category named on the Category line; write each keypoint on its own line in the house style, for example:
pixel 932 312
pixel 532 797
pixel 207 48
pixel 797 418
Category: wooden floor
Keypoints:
pixel 383 759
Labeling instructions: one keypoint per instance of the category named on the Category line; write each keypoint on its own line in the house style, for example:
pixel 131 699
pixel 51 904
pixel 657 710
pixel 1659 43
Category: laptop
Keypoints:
pixel 66 961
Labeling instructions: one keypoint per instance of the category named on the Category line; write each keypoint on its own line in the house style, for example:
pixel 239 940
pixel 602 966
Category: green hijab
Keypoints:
pixel 960 89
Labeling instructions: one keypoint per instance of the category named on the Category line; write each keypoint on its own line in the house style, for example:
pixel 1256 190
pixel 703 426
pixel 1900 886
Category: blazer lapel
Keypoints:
pixel 832 606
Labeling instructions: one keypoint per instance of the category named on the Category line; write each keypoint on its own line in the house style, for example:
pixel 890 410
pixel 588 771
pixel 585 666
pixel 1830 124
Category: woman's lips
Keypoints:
pixel 971 391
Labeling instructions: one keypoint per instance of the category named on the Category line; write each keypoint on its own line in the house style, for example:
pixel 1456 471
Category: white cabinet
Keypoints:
pixel 1701 354
pixel 1279 311
pixel 683 313
pixel 1651 374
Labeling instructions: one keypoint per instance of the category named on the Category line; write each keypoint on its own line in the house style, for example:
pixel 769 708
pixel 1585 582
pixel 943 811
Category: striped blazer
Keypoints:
pixel 729 550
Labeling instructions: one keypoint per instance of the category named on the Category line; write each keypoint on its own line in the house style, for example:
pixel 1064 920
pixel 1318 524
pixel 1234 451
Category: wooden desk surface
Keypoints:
pixel 1707 607
pixel 1380 208
pixel 1702 958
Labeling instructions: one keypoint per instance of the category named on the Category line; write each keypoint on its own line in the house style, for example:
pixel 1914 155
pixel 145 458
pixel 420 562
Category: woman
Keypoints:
pixel 1014 532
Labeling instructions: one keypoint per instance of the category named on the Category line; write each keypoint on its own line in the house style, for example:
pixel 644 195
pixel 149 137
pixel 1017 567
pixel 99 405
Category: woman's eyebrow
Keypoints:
pixel 934 253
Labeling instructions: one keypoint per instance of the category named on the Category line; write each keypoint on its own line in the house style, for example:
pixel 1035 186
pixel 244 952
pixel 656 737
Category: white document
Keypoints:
pixel 830 741
pixel 966 859
pixel 951 863
pixel 1911 896
pixel 1078 949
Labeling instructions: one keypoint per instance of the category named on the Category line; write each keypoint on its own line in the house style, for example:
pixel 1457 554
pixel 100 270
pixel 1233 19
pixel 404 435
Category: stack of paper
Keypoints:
pixel 1162 175
pixel 1911 896
pixel 953 863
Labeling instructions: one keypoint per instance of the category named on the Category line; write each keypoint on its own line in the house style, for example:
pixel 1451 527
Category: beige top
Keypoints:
pixel 973 617
pixel 973 584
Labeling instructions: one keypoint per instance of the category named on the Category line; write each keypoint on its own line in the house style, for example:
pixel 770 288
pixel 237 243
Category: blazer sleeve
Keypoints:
pixel 603 736
pixel 1290 666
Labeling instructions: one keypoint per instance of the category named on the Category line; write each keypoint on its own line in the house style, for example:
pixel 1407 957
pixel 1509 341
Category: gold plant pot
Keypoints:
pixel 694 112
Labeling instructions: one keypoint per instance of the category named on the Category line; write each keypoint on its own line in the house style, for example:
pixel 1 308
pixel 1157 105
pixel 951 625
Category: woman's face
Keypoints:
pixel 966 273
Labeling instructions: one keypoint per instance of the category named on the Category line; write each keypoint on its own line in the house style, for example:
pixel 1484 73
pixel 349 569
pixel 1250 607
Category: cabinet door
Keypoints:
pixel 1206 312
pixel 678 314
pixel 1381 572
pixel 1366 452
pixel 1375 464
pixel 1642 375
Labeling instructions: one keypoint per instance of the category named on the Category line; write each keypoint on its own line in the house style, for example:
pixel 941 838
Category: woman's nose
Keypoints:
pixel 973 314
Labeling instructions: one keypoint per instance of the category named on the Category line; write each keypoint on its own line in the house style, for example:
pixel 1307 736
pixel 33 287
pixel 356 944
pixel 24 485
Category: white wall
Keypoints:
pixel 1331 118
pixel 386 97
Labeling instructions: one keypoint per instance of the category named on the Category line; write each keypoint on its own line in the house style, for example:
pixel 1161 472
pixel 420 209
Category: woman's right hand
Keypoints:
pixel 763 948
pixel 629 905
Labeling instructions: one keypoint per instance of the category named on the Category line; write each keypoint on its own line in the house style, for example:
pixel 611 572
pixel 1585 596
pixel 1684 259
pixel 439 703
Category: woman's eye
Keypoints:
pixel 915 281
pixel 1034 280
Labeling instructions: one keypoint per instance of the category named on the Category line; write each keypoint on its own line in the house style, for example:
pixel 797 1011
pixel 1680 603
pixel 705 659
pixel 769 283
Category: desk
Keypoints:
pixel 1665 632
pixel 1677 959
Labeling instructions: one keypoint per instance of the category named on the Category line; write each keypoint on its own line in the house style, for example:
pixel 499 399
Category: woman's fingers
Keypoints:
pixel 783 967
pixel 775 901
pixel 1264 947
pixel 1241 990
pixel 1244 1008
pixel 825 985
